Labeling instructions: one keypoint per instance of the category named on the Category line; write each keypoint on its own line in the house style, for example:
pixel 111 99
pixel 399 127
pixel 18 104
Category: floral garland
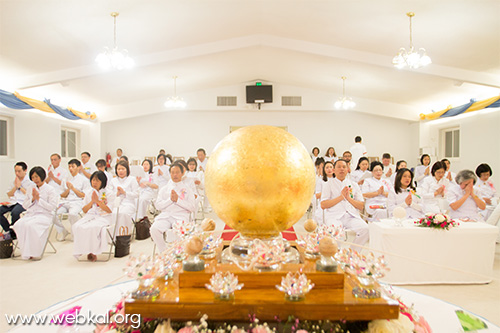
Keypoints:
pixel 437 221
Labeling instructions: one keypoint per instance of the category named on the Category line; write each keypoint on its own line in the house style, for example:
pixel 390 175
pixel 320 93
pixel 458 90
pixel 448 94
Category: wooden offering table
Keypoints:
pixel 184 297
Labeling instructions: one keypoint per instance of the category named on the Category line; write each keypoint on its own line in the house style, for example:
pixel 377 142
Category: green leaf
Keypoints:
pixel 470 322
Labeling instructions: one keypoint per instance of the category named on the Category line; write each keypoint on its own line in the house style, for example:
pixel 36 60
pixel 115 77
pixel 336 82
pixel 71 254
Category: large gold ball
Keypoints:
pixel 260 180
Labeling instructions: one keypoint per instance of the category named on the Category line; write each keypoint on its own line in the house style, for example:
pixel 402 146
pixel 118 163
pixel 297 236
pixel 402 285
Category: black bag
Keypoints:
pixel 6 249
pixel 142 229
pixel 122 243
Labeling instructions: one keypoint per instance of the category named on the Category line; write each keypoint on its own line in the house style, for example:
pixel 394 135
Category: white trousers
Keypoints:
pixel 350 222
pixel 159 227
pixel 73 209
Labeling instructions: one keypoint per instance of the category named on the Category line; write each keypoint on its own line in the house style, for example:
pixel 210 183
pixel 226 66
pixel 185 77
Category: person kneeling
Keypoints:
pixel 176 202
pixel 89 233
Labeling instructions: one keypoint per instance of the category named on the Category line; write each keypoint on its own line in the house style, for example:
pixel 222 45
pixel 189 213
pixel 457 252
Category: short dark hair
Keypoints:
pixel 161 156
pixel 398 163
pixel 374 164
pixel 314 149
pixel 100 163
pixel 361 159
pixel 101 176
pixel 176 165
pixel 438 165
pixel 422 158
pixel 397 181
pixel 23 165
pixel 357 139
pixel 183 164
pixel 319 160
pixel 123 164
pixel 119 149
pixel 386 155
pixel 56 154
pixel 150 165
pixel 347 152
pixel 483 167
pixel 340 160
pixel 201 149
pixel 75 162
pixel 123 157
pixel 86 153
pixel 39 171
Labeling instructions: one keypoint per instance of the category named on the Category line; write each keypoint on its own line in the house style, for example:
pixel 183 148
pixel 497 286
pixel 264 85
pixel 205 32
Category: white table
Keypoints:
pixel 417 255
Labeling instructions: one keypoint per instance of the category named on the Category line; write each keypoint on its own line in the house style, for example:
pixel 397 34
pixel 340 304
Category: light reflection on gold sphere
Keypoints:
pixel 260 180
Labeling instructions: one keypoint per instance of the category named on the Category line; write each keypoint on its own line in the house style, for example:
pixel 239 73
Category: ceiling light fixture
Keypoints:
pixel 411 58
pixel 114 58
pixel 175 102
pixel 344 102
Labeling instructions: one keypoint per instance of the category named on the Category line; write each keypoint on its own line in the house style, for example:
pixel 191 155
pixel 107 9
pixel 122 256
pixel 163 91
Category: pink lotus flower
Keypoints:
pixel 186 329
pixel 422 326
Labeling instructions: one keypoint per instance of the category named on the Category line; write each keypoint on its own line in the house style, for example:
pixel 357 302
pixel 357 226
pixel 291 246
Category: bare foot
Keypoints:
pixel 93 257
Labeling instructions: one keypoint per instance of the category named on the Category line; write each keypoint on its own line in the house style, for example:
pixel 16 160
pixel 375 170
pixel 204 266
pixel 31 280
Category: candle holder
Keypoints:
pixel 146 288
pixel 210 245
pixel 223 285
pixel 295 286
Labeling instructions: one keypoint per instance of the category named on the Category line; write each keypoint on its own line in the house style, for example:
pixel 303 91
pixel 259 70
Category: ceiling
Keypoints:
pixel 47 49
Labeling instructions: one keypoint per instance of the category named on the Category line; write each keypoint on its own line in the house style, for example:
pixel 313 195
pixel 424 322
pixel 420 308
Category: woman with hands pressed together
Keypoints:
pixel 464 202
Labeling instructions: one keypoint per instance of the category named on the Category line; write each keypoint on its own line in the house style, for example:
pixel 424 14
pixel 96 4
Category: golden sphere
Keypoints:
pixel 208 225
pixel 310 225
pixel 260 180
pixel 194 246
pixel 328 247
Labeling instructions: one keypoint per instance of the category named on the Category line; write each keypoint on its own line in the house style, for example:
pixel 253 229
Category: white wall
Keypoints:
pixel 181 133
pixel 479 140
pixel 36 136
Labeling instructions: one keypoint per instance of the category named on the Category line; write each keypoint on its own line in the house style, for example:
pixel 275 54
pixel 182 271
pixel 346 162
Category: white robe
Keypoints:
pixel 414 211
pixel 128 203
pixel 420 174
pixel 162 180
pixel 32 229
pixel 72 204
pixel 486 189
pixel 61 174
pixel 373 185
pixel 89 233
pixel 146 194
pixel 468 210
pixel 19 196
pixel 89 168
pixel 357 175
pixel 357 150
pixel 426 190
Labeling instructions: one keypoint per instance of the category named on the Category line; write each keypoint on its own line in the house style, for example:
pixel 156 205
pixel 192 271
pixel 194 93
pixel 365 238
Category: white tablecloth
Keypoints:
pixel 417 255
pixel 440 315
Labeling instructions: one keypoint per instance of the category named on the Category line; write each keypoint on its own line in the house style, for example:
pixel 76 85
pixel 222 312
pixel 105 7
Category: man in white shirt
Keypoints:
pixel 389 169
pixel 202 159
pixel 17 194
pixel 357 150
pixel 342 200
pixel 87 168
pixel 56 173
pixel 75 187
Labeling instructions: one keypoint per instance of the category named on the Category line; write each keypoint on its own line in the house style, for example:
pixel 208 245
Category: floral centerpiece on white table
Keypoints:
pixel 437 221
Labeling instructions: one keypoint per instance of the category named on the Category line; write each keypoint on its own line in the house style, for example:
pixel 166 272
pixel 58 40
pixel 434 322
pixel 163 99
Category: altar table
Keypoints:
pixel 417 255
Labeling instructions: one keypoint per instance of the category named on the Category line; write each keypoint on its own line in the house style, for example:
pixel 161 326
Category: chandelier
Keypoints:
pixel 114 58
pixel 411 58
pixel 175 102
pixel 344 102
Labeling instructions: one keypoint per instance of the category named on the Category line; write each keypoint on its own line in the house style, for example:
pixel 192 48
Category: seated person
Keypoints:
pixel 328 175
pixel 423 171
pixel 403 194
pixel 375 191
pixel 75 187
pixel 56 173
pixel 389 169
pixel 32 229
pixel 464 202
pixel 342 200
pixel 485 189
pixel 401 164
pixel 433 190
pixel 87 168
pixel 89 233
pixel 17 195
pixel 126 189
pixel 197 178
pixel 362 171
pixel 176 202
pixel 147 189
pixel 101 166
pixel 450 175
pixel 161 171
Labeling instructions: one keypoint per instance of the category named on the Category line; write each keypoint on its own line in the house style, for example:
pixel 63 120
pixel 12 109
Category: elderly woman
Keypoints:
pixel 464 202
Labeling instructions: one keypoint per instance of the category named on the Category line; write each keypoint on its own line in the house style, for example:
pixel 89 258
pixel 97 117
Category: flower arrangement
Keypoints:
pixel 437 221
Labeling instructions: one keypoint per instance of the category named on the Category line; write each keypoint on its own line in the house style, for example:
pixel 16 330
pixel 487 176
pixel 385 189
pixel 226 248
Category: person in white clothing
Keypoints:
pixel 401 164
pixel 161 171
pixel 119 154
pixel 176 202
pixel 433 190
pixel 202 159
pixel 126 190
pixel 450 175
pixel 72 198
pixel 342 200
pixel 56 173
pixel 32 229
pixel 319 164
pixel 357 150
pixel 87 168
pixel 423 171
pixel 89 233
pixel 361 173
pixel 347 156
pixel 403 194
pixel 197 178
pixel 327 175
pixel 465 204
pixel 315 154
pixel 389 169
pixel 147 189
pixel 375 191
pixel 485 189
pixel 17 195
pixel 330 155
pixel 101 166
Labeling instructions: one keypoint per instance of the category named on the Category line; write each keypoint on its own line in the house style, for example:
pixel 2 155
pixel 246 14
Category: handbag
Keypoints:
pixel 6 248
pixel 142 229
pixel 122 243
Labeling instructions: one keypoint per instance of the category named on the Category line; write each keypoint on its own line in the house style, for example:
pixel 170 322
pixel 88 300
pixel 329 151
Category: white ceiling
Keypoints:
pixel 47 49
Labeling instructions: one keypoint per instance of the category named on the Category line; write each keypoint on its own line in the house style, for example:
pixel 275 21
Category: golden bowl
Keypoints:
pixel 260 180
